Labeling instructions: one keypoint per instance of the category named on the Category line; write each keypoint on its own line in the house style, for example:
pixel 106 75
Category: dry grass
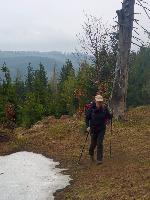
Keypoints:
pixel 125 176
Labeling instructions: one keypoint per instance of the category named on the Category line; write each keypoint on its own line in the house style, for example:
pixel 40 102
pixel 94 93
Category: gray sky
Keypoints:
pixel 48 25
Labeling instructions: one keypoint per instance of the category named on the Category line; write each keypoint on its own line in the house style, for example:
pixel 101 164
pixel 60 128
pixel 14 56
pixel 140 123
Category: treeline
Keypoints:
pixel 37 96
pixel 139 79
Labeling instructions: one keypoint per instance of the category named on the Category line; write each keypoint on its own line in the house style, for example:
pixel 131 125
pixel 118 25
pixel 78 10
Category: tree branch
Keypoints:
pixel 144 8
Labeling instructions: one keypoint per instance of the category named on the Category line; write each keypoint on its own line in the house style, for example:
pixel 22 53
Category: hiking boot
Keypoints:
pixel 92 158
pixel 99 162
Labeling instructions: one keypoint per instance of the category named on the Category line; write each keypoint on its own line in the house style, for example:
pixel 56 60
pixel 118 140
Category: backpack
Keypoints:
pixel 87 107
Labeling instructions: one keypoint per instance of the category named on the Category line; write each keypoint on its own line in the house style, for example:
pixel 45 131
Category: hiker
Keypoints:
pixel 97 116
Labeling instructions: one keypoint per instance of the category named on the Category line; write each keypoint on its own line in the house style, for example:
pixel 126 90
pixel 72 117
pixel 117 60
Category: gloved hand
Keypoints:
pixel 88 129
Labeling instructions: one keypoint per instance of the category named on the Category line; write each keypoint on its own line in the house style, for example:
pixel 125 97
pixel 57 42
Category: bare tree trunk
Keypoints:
pixel 54 80
pixel 119 92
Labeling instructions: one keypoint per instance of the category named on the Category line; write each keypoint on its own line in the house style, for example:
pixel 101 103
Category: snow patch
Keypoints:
pixel 30 176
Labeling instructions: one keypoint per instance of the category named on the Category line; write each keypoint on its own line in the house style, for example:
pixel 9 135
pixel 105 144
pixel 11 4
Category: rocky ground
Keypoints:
pixel 125 176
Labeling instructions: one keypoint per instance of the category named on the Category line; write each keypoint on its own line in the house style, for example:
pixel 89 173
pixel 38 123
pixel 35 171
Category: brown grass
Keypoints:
pixel 125 176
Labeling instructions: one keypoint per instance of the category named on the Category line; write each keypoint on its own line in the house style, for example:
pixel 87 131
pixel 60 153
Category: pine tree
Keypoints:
pixel 7 88
pixel 30 78
pixel 66 71
pixel 40 83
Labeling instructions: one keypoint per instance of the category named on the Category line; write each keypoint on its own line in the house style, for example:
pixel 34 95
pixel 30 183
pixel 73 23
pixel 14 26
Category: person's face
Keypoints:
pixel 99 104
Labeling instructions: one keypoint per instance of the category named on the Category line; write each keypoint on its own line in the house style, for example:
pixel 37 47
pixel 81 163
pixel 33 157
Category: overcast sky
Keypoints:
pixel 49 25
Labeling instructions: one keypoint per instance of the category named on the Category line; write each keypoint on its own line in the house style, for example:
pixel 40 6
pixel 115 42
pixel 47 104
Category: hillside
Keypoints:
pixel 125 176
pixel 20 59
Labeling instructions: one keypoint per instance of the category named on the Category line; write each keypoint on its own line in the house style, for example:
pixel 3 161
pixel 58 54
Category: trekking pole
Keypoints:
pixel 83 147
pixel 110 139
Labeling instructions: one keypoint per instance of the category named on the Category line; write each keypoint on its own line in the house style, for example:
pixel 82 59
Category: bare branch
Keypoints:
pixel 138 40
pixel 144 8
pixel 145 30
pixel 136 32
pixel 136 44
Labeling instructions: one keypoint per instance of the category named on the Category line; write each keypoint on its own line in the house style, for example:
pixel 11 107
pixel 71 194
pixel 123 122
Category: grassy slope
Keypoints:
pixel 125 176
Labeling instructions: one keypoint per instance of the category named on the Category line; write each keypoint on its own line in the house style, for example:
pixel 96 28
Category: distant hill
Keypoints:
pixel 19 60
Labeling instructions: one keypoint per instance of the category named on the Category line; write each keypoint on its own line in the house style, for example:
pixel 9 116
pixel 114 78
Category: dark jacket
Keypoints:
pixel 97 118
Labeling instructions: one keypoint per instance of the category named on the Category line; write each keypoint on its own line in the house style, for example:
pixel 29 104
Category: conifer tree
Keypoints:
pixel 30 78
pixel 66 71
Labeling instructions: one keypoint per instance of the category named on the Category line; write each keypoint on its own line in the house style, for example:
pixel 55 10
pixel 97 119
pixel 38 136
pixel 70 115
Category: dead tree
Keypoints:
pixel 119 91
pixel 54 80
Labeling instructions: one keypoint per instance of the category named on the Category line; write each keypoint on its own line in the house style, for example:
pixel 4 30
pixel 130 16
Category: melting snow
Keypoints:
pixel 30 176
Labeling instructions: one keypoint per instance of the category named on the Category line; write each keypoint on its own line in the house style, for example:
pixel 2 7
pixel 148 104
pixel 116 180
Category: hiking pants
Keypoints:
pixel 97 137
